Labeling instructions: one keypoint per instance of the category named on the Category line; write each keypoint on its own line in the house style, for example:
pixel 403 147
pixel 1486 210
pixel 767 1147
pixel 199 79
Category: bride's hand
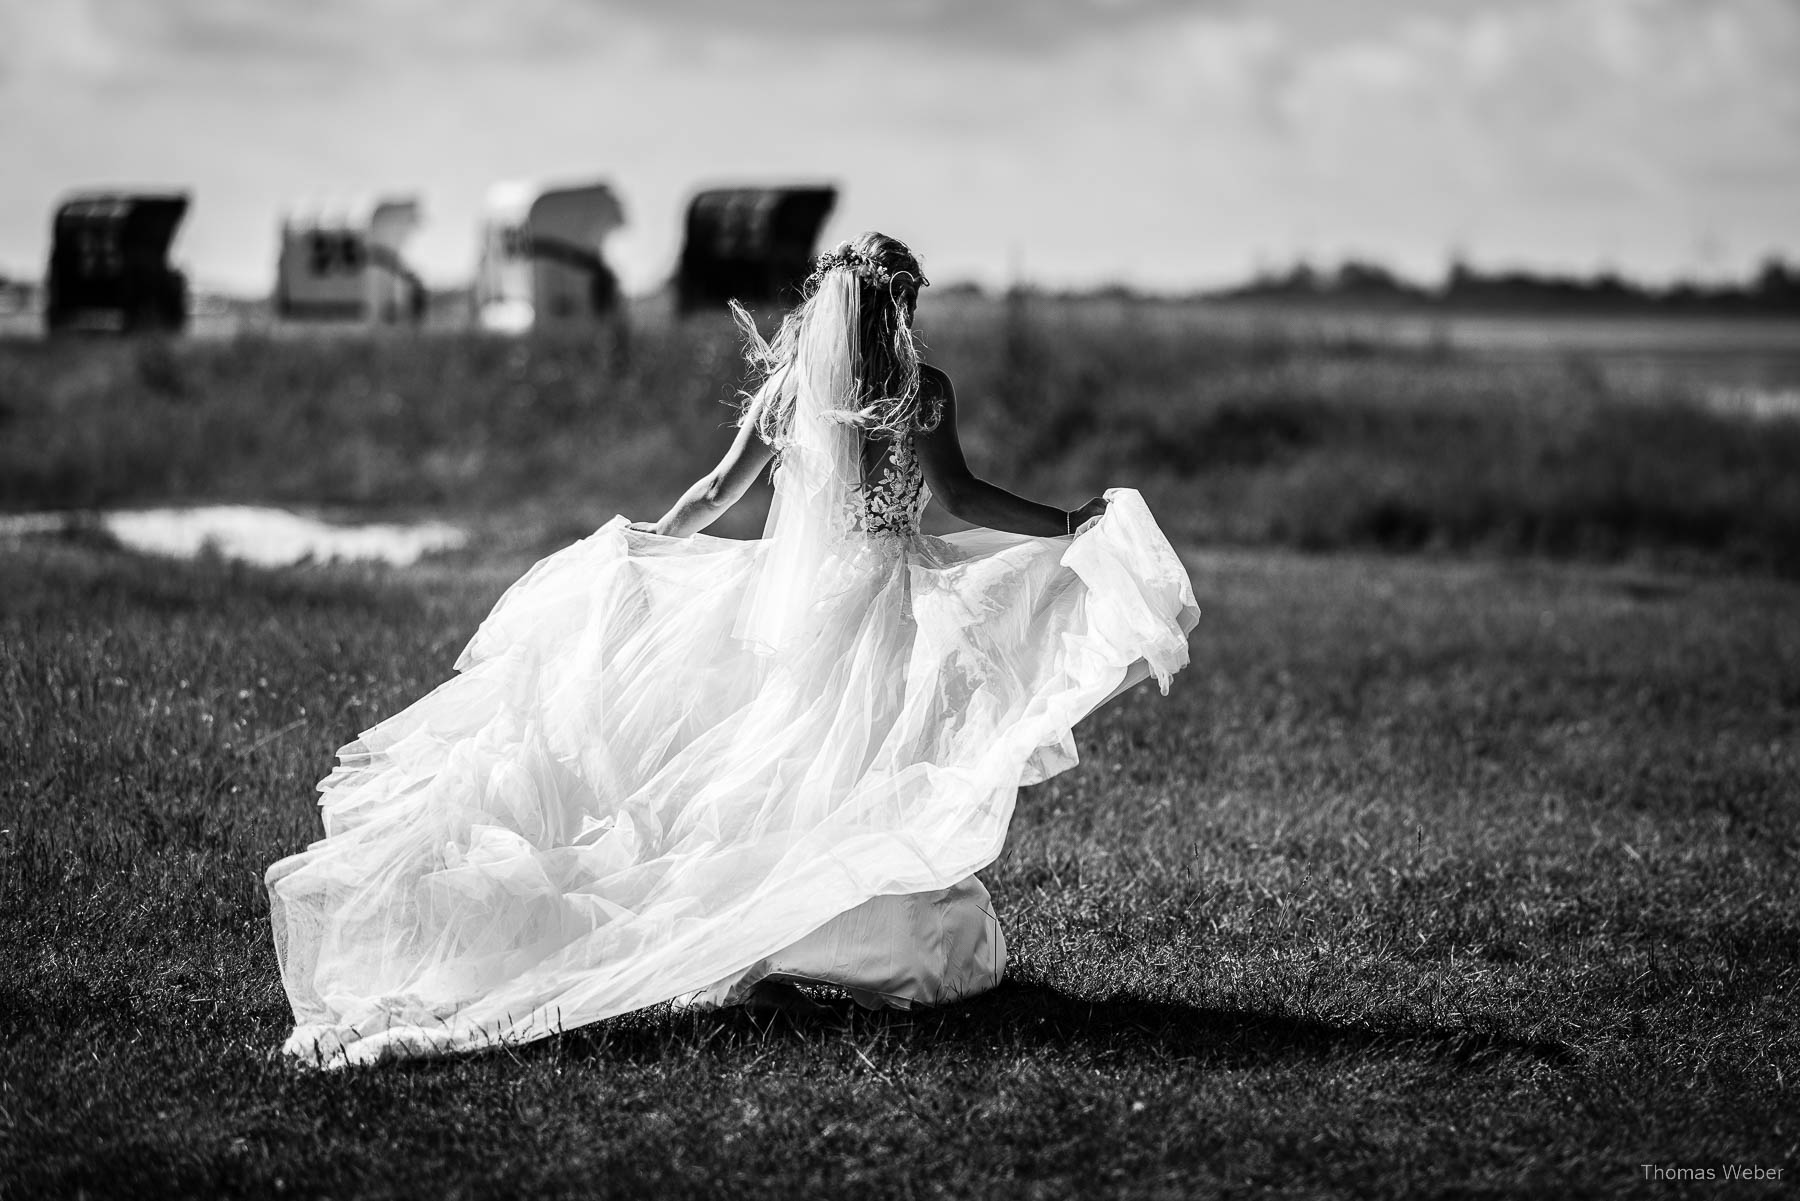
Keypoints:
pixel 1086 513
pixel 648 527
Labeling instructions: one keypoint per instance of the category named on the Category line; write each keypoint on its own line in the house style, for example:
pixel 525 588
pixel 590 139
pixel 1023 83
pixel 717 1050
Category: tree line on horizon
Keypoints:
pixel 1773 288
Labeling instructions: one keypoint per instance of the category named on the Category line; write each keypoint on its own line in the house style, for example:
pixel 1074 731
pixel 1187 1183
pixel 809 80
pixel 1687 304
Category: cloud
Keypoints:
pixel 1160 142
pixel 1006 26
pixel 1629 128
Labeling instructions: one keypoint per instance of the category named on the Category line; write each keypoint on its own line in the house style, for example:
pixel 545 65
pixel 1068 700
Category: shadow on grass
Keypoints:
pixel 1019 1016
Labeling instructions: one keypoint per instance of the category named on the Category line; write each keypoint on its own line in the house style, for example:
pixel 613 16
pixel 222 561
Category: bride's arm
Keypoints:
pixel 718 489
pixel 973 499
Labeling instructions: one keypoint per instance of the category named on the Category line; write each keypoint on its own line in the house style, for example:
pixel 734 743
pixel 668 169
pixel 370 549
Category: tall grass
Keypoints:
pixel 1248 438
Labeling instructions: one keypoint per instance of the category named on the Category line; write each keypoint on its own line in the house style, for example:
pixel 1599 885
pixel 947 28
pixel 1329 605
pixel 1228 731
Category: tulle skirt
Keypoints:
pixel 618 802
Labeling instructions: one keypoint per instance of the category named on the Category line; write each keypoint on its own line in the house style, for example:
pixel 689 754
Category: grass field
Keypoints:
pixel 1469 871
pixel 1427 879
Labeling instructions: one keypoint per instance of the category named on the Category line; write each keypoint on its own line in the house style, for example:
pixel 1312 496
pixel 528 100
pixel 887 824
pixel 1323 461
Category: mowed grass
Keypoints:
pixel 1428 879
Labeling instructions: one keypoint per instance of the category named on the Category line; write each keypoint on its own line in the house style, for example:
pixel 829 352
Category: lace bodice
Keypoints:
pixel 890 501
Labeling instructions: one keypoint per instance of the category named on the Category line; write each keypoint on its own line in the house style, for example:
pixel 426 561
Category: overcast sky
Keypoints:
pixel 1071 141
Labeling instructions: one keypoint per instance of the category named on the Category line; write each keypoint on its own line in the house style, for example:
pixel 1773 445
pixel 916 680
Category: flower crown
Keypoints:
pixel 861 265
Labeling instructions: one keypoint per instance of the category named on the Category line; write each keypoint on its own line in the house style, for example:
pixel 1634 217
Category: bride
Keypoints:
pixel 674 767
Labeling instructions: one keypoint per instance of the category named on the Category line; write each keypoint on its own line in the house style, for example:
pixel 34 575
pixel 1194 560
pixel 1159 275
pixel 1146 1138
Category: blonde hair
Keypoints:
pixel 884 277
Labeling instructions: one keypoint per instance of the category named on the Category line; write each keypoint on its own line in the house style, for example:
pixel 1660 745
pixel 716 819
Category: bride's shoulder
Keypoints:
pixel 936 394
pixel 935 387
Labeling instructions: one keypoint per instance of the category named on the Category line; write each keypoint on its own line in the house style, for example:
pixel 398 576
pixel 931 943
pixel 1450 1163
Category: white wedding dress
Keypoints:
pixel 669 768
